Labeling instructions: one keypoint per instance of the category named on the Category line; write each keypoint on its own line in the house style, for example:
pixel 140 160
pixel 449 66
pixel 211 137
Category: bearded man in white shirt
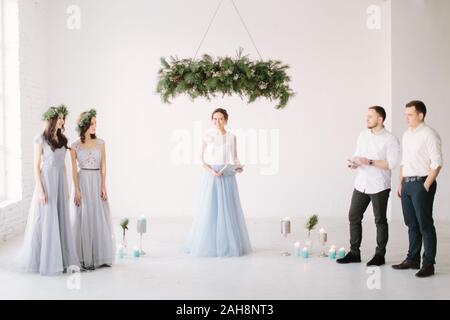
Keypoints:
pixel 420 166
pixel 377 153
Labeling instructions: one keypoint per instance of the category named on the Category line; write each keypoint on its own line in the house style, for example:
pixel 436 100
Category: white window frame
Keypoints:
pixel 10 115
pixel 2 107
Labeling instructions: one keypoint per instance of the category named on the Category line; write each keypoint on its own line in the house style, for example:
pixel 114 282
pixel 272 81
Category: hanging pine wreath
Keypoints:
pixel 206 77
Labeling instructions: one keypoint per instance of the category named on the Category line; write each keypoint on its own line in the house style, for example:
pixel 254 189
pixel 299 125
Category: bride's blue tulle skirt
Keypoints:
pixel 219 228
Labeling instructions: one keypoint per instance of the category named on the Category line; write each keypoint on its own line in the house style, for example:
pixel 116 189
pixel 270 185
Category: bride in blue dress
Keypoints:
pixel 219 228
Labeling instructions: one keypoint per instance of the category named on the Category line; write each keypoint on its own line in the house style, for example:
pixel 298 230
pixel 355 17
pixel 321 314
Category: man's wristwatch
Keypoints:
pixel 371 162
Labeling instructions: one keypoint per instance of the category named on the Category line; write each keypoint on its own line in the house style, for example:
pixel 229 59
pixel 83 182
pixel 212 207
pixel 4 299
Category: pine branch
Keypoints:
pixel 207 77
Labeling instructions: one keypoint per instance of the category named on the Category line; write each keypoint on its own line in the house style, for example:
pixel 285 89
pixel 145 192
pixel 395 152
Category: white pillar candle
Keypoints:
pixel 285 226
pixel 323 236
pixel 142 225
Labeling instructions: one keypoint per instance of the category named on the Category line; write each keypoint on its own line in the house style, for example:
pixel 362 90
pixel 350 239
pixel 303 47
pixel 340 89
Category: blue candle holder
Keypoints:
pixel 341 253
pixel 305 254
pixel 136 253
pixel 120 253
pixel 332 255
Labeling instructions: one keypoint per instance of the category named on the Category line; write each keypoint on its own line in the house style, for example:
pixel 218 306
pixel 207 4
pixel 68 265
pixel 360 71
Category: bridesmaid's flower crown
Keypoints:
pixel 86 119
pixel 54 112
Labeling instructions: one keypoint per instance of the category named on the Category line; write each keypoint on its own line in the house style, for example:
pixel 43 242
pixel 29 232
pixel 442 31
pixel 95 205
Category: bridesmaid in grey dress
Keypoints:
pixel 90 209
pixel 48 246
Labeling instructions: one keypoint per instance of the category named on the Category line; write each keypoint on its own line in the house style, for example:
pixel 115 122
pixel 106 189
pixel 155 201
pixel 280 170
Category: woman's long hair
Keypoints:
pixel 49 135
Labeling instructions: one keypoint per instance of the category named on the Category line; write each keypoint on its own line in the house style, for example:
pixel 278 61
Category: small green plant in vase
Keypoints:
pixel 124 225
pixel 310 225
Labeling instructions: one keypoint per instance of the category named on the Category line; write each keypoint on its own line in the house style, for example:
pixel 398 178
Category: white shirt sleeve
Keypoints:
pixel 393 153
pixel 434 150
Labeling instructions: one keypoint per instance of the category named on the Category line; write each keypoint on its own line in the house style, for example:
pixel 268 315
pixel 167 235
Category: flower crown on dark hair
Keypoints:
pixel 86 119
pixel 54 112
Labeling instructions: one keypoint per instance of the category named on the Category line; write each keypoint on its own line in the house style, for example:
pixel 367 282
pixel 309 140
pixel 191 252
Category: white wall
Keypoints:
pixel 33 78
pixel 337 69
pixel 421 70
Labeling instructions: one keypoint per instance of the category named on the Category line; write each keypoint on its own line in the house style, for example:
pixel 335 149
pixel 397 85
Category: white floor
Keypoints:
pixel 164 273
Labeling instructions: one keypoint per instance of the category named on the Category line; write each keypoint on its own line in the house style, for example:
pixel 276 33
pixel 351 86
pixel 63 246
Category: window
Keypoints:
pixel 9 101
pixel 2 108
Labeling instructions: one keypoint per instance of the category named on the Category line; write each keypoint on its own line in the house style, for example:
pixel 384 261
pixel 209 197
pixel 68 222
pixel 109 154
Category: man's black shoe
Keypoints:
pixel 377 260
pixel 406 264
pixel 426 271
pixel 349 258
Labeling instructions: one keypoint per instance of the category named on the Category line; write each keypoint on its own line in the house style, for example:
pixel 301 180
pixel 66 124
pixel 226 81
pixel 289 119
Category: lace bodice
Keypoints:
pixel 218 148
pixel 88 158
pixel 50 158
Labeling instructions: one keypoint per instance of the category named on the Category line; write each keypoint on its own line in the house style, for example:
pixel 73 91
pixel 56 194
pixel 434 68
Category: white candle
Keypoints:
pixel 323 237
pixel 285 226
pixel 297 251
pixel 142 225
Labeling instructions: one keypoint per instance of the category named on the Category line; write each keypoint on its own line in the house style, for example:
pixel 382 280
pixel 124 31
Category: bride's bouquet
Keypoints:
pixel 231 169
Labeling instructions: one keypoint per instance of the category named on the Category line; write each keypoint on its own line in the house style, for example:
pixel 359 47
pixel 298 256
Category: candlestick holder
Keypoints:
pixel 323 238
pixel 141 229
pixel 285 231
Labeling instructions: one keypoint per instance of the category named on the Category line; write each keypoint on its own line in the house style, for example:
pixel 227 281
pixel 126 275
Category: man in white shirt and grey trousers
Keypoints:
pixel 377 153
pixel 420 166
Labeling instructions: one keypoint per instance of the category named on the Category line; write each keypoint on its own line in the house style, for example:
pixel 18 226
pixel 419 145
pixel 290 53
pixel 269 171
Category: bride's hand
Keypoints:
pixel 77 198
pixel 239 169
pixel 216 174
pixel 104 194
pixel 42 198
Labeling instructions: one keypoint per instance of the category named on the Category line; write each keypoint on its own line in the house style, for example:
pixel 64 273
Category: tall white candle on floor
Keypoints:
pixel 142 225
pixel 322 235
pixel 285 226
pixel 323 238
pixel 141 229
pixel 285 231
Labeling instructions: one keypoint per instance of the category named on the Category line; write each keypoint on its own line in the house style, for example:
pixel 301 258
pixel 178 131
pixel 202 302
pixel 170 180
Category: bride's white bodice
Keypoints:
pixel 218 148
